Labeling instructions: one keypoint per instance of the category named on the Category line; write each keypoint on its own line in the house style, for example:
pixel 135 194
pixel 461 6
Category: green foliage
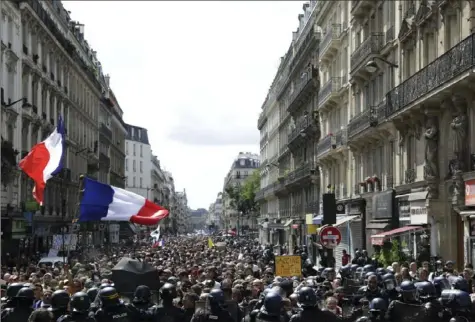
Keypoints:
pixel 391 252
pixel 242 197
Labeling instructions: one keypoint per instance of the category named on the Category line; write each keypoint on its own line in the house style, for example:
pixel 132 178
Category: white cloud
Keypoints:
pixel 194 74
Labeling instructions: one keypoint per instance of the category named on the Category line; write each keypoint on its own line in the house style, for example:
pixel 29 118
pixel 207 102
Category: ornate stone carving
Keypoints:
pixel 431 169
pixel 459 126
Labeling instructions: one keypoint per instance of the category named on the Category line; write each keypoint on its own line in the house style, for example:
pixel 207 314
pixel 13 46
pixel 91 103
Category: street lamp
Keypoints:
pixel 24 100
pixel 372 66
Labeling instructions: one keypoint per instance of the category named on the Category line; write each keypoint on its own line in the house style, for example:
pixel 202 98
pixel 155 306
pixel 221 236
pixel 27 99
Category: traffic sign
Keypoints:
pixel 330 237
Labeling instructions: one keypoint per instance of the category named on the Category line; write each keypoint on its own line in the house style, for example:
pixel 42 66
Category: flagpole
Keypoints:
pixel 79 196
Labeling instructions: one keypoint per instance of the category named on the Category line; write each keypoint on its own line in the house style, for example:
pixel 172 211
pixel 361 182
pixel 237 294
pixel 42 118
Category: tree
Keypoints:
pixel 242 197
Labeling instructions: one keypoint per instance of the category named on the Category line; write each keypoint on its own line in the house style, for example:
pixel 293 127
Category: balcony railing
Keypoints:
pixel 410 176
pixel 362 121
pixel 305 170
pixel 459 59
pixel 371 45
pixel 312 207
pixel 306 79
pixel 301 125
pixel 104 130
pixel 261 120
pixel 333 32
pixel 390 34
pixel 324 145
pixel 333 85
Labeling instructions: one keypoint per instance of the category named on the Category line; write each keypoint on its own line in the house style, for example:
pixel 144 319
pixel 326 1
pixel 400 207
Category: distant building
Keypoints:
pixel 241 169
pixel 198 218
pixel 138 162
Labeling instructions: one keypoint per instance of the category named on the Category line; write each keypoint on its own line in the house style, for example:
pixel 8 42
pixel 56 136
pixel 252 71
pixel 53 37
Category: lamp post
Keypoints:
pixel 372 66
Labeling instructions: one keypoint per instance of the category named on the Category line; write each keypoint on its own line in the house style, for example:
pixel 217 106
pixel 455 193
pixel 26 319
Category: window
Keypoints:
pixel 133 182
pixel 242 162
pixel 141 182
pixel 141 152
pixel 134 149
pixel 134 166
pixel 126 165
pixel 141 167
pixel 238 174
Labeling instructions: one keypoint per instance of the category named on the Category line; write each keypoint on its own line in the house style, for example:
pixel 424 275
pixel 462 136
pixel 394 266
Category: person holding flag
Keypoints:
pixel 45 160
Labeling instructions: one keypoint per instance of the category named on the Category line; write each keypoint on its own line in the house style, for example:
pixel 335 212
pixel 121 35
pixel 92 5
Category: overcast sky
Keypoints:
pixel 195 74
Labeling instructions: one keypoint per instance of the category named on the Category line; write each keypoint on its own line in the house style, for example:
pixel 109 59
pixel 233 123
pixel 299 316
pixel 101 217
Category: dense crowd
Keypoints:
pixel 232 280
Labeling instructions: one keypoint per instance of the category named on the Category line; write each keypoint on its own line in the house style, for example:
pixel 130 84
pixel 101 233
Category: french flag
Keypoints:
pixel 108 203
pixel 45 160
pixel 158 243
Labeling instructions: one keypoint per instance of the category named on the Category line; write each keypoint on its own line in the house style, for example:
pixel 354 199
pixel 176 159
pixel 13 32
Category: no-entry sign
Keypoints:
pixel 330 237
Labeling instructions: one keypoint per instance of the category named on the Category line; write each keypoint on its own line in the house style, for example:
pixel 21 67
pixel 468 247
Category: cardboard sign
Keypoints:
pixel 288 266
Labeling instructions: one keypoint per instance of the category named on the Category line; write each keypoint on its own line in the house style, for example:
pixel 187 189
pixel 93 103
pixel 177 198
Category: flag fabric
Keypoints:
pixel 104 202
pixel 158 243
pixel 155 234
pixel 45 160
pixel 210 243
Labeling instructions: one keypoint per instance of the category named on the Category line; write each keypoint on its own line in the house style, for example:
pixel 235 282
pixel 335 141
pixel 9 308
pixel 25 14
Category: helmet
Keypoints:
pixel 59 300
pixel 307 297
pixel 408 286
pixel 426 290
pixel 92 293
pixel 272 304
pixel 109 297
pixel 368 268
pixel 13 289
pixel 378 305
pixel 80 302
pixel 104 285
pixel 216 296
pixel 25 293
pixel 441 283
pixel 456 299
pixel 345 271
pixel 172 280
pixel 461 284
pixel 381 271
pixel 142 294
pixel 168 292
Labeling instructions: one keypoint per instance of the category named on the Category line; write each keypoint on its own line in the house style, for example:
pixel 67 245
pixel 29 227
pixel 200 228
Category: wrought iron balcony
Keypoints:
pixel 410 176
pixel 305 42
pixel 324 145
pixel 312 207
pixel 259 195
pixel 304 88
pixel 104 161
pixel 389 34
pixel 361 122
pixel 361 7
pixel 297 210
pixel 105 131
pixel 370 46
pixel 389 181
pixel 330 41
pixel 456 61
pixel 328 95
pixel 302 175
pixel 261 121
pixel 285 213
pixel 264 138
pixel 279 187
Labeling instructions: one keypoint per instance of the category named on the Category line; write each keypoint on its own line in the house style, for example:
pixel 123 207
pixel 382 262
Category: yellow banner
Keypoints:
pixel 288 266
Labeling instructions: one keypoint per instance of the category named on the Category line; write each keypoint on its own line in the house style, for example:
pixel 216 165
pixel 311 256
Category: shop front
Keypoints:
pixel 383 216
pixel 277 232
pixel 468 217
pixel 350 227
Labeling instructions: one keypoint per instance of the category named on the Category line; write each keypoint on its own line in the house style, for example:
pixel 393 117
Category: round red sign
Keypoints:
pixel 330 237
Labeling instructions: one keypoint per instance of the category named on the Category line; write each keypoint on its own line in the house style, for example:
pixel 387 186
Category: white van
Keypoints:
pixel 51 261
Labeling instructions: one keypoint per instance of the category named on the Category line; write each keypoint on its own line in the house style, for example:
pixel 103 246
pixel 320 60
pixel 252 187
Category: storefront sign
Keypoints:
pixel 340 208
pixel 470 192
pixel 404 210
pixel 418 213
pixel 383 205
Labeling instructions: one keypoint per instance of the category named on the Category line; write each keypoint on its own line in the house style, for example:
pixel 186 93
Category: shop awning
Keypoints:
pixel 345 219
pixel 377 225
pixel 379 238
pixel 422 195
pixel 317 220
pixel 470 213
